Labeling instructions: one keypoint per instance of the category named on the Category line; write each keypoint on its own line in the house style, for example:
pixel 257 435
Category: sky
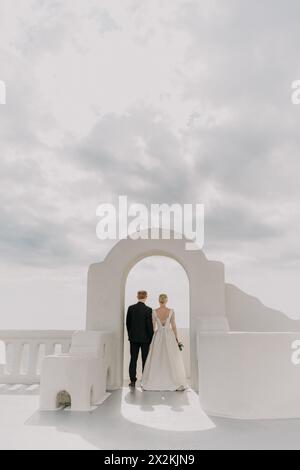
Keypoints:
pixel 161 275
pixel 165 102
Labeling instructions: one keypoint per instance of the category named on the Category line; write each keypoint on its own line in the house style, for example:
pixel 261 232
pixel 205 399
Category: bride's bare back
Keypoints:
pixel 163 314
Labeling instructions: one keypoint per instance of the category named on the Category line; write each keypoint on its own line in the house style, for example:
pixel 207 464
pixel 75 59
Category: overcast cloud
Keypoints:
pixel 178 102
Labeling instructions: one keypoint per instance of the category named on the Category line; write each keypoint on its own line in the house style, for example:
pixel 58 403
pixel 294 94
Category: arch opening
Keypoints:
pixel 63 400
pixel 158 274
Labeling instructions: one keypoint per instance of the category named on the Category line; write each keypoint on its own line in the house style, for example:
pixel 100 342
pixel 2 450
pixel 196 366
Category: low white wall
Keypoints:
pixel 184 337
pixel 249 375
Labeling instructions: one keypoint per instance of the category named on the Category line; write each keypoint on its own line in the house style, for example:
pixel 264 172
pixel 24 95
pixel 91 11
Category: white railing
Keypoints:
pixel 25 350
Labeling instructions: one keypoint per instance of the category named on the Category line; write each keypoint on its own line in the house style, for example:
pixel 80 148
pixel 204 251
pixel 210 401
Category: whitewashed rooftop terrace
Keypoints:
pixel 134 420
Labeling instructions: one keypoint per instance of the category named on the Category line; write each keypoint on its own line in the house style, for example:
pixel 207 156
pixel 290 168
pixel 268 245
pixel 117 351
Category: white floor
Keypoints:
pixel 134 420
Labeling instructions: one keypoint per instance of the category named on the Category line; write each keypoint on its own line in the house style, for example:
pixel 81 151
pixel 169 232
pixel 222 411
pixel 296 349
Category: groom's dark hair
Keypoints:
pixel 142 294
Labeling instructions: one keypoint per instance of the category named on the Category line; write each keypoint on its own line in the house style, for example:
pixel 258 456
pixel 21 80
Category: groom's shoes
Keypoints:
pixel 132 385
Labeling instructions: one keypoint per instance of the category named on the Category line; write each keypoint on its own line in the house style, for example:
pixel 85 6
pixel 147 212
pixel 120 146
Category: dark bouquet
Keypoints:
pixel 180 345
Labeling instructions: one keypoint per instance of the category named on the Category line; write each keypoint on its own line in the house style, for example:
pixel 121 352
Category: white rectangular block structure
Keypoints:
pixel 83 374
pixel 248 375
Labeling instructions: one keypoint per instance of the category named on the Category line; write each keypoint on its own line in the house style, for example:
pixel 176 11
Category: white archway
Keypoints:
pixel 106 287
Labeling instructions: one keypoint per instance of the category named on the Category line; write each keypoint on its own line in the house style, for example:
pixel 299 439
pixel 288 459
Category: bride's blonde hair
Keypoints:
pixel 163 298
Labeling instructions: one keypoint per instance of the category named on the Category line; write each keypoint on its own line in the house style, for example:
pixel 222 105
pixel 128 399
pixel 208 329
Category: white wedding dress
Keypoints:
pixel 164 368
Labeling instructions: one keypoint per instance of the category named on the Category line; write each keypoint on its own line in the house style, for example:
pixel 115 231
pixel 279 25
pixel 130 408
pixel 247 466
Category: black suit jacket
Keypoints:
pixel 139 323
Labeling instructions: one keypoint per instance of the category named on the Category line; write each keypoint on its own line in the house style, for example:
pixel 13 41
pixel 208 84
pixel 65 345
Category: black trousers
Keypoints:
pixel 134 353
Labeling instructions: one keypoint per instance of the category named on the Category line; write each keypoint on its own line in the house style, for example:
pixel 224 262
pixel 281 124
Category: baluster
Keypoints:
pixel 66 347
pixel 33 359
pixel 2 359
pixel 17 357
pixel 50 346
pixel 9 358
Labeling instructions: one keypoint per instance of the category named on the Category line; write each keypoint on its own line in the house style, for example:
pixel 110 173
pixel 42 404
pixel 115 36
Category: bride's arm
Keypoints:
pixel 174 327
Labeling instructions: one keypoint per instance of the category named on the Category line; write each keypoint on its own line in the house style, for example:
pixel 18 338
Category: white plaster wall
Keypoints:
pixel 249 375
pixel 247 313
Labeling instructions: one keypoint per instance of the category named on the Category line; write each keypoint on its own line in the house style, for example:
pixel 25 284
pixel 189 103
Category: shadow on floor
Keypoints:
pixel 125 421
pixel 122 421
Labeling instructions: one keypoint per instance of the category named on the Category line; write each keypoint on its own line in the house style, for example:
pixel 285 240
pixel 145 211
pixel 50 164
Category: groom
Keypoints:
pixel 140 332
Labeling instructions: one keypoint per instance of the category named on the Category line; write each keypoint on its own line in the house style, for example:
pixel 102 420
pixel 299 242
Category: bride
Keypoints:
pixel 164 368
